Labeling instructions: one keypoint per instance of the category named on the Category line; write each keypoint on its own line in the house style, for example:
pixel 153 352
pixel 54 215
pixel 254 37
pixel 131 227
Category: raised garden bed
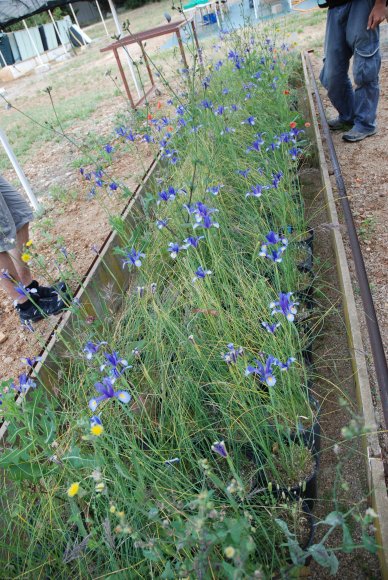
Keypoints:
pixel 202 448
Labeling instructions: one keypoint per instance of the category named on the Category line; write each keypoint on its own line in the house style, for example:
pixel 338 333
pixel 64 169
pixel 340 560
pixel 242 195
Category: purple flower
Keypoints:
pixel 174 249
pixel 274 254
pixel 248 121
pixel 285 305
pixel 147 138
pixel 133 258
pixel 220 110
pixel 203 216
pixel 92 349
pixel 276 179
pixel 256 145
pixel 285 366
pixel 206 104
pixel 294 152
pixel 192 241
pixel 117 365
pixel 25 383
pixel 225 91
pixel 256 191
pixel 227 130
pixel 200 274
pixel 95 420
pixel 180 110
pixel 219 447
pixel 234 108
pixel 271 328
pixel 161 224
pixel 167 194
pixel 108 148
pixel 107 391
pixel 265 373
pixel 218 65
pixel 215 189
pixel 31 361
pixel 243 172
pixel 113 186
pixel 22 290
pixel 233 354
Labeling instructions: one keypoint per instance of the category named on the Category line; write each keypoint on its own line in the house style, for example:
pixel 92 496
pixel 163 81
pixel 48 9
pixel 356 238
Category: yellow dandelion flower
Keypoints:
pixel 112 509
pixel 73 489
pixel 96 430
pixel 29 243
pixel 26 257
pixel 229 552
pixel 100 487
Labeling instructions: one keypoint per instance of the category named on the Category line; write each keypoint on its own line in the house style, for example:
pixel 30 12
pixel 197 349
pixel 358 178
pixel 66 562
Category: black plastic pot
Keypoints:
pixel 311 436
pixel 307 490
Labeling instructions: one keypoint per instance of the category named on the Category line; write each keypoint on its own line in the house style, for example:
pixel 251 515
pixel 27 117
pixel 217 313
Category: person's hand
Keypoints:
pixel 377 16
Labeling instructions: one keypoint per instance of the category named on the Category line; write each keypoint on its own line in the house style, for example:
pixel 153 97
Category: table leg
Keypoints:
pixel 196 42
pixel 147 63
pixel 124 79
pixel 181 48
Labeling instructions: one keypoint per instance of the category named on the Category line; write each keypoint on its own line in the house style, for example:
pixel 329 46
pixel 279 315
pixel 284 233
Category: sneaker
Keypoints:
pixel 338 125
pixel 29 312
pixel 354 135
pixel 43 307
pixel 58 289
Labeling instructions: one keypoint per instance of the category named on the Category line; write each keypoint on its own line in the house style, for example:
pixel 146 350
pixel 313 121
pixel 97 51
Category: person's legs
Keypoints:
pixel 23 270
pixel 334 75
pixel 7 266
pixel 366 65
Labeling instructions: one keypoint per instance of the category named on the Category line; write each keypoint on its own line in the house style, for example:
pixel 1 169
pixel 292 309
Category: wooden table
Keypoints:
pixel 139 38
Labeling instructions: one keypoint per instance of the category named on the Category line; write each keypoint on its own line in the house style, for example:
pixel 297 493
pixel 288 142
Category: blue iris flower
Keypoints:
pixel 285 366
pixel 271 328
pixel 192 241
pixel 91 349
pixel 30 361
pixel 294 152
pixel 200 274
pixel 243 172
pixel 25 383
pixel 273 254
pixel 249 121
pixel 220 110
pixel 174 249
pixel 117 364
pixel 232 355
pixel 108 148
pixel 180 110
pixel 264 372
pixel 215 189
pixel 206 104
pixel 256 191
pixel 161 223
pixel 107 391
pixel 133 258
pixel 285 305
pixel 219 447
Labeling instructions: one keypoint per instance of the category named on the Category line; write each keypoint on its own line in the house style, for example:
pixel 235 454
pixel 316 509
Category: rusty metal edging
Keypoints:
pixel 374 463
pixel 105 269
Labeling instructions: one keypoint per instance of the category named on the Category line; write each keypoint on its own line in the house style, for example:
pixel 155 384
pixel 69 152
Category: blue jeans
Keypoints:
pixel 347 36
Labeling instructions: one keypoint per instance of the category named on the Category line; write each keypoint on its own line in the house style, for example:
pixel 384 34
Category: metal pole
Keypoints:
pixel 102 18
pixel 19 171
pixel 74 16
pixel 33 43
pixel 3 59
pixel 57 31
pixel 120 33
pixel 77 23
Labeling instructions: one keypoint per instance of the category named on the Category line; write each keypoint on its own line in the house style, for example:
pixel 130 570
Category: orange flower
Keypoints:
pixel 170 129
pixel 292 124
pixel 286 92
pixel 149 116
pixel 307 124
pixel 159 105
